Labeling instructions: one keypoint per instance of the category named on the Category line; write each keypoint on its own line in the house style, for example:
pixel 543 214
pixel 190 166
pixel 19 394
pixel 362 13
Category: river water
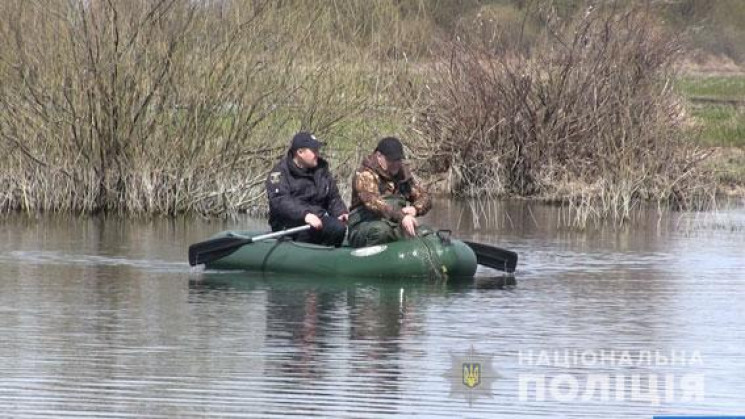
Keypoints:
pixel 104 317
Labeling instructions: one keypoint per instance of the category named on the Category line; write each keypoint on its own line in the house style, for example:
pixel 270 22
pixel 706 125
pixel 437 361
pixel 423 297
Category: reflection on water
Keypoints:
pixel 105 317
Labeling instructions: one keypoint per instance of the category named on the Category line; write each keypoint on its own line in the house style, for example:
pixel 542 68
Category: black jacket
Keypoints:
pixel 294 192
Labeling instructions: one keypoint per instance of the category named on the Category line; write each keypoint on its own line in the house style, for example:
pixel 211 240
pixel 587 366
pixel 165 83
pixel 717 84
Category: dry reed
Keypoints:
pixel 587 118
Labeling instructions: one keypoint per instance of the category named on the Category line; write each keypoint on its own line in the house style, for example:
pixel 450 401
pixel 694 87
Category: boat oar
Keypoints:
pixel 493 257
pixel 213 249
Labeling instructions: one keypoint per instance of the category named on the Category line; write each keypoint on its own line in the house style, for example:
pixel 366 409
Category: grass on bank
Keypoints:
pixel 713 87
pixel 721 125
pixel 716 105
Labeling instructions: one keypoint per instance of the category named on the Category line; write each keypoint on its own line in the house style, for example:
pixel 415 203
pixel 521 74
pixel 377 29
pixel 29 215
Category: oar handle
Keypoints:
pixel 273 234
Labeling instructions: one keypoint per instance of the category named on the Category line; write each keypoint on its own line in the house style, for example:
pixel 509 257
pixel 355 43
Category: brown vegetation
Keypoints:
pixel 586 118
pixel 179 106
pixel 162 106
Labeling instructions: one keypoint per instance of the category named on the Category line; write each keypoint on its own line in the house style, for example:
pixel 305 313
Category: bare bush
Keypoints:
pixel 156 106
pixel 588 118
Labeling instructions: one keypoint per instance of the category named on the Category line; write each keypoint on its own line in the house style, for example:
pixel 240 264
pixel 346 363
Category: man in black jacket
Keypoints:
pixel 301 190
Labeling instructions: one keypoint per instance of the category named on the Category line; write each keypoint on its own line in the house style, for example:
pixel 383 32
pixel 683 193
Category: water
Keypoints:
pixel 103 317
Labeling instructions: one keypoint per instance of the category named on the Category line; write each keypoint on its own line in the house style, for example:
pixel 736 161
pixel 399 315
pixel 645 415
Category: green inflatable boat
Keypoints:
pixel 431 254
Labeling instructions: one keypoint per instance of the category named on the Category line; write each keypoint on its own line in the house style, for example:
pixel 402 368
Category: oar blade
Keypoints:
pixel 214 249
pixel 494 257
pixel 217 248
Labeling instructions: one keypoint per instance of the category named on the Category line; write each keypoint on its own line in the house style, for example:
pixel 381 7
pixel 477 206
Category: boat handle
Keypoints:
pixel 444 235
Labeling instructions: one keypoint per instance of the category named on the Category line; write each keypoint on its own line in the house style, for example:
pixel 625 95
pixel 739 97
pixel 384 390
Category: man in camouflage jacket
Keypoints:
pixel 386 199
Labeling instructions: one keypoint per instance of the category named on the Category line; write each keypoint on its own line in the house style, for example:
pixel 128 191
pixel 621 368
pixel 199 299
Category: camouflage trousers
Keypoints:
pixel 367 229
pixel 370 233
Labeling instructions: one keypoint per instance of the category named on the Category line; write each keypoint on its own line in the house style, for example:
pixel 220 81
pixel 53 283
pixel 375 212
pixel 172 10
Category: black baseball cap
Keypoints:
pixel 305 140
pixel 391 148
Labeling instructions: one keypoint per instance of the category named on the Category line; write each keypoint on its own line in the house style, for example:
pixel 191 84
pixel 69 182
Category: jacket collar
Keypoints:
pixel 299 171
pixel 371 162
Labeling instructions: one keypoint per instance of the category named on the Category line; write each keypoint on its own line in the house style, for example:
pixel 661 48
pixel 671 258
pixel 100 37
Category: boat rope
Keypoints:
pixel 269 253
pixel 436 266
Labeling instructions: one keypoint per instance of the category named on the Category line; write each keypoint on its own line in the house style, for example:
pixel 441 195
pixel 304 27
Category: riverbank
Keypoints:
pixel 187 119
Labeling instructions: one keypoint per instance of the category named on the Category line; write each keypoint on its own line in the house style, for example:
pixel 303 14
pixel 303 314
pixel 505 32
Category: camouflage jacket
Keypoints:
pixel 373 188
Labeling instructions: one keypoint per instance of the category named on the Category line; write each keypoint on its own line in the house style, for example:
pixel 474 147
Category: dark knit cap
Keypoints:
pixel 305 140
pixel 391 148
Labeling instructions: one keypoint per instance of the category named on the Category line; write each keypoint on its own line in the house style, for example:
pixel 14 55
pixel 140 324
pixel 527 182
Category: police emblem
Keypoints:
pixel 471 374
pixel 274 177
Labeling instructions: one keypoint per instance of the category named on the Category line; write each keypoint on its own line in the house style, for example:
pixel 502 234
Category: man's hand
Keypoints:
pixel 344 218
pixel 409 210
pixel 409 223
pixel 313 220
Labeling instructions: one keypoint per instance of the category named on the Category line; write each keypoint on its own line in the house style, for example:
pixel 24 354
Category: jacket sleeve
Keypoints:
pixel 336 205
pixel 419 198
pixel 366 186
pixel 281 201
